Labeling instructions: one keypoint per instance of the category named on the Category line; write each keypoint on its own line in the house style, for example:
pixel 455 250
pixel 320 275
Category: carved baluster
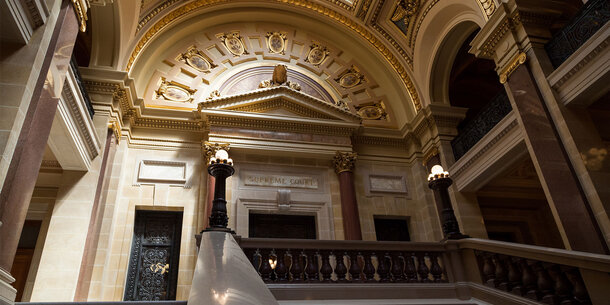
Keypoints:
pixel 281 271
pixel 252 254
pixel 579 291
pixel 563 287
pixel 382 268
pixel 369 269
pixel 340 269
pixel 410 270
pixel 296 268
pixel 354 268
pixel 396 268
pixel 326 269
pixel 435 268
pixel 501 274
pixel 422 269
pixel 312 267
pixel 545 284
pixel 265 269
pixel 528 280
pixel 489 270
pixel 514 277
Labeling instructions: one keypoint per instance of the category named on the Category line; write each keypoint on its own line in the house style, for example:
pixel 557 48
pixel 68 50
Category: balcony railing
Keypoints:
pixel 81 87
pixel 326 261
pixel 593 15
pixel 486 119
pixel 550 276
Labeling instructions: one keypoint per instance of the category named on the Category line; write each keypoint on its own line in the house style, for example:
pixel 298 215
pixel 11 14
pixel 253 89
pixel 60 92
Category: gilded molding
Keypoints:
pixel 80 9
pixel 388 37
pixel 307 4
pixel 488 7
pixel 344 161
pixel 210 149
pixel 421 17
pixel 153 13
pixel 510 68
pixel 116 129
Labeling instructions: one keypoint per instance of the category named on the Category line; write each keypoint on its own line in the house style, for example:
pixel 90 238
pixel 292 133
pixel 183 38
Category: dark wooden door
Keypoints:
pixel 155 251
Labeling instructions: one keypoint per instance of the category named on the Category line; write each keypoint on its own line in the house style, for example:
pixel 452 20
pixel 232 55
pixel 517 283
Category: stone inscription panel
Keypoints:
pixel 303 182
pixel 382 183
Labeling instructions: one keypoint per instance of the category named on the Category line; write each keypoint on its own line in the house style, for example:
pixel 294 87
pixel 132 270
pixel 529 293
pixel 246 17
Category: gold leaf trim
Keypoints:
pixel 349 23
pixel 516 62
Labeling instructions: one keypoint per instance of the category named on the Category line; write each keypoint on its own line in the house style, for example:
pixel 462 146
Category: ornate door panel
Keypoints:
pixel 153 265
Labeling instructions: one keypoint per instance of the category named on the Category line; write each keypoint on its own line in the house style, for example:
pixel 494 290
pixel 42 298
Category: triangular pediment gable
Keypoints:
pixel 281 101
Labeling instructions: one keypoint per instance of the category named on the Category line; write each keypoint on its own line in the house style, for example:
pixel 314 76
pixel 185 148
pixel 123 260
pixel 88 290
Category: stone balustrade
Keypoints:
pixel 546 275
pixel 318 261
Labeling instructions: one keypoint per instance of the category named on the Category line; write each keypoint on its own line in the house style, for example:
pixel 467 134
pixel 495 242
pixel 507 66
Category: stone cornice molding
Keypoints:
pixel 80 116
pixel 576 77
pixel 353 25
pixel 223 118
pixel 318 107
pixel 512 29
pixel 344 161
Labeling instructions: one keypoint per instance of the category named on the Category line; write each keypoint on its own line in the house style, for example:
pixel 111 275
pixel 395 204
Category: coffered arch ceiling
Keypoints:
pixel 363 31
pixel 202 33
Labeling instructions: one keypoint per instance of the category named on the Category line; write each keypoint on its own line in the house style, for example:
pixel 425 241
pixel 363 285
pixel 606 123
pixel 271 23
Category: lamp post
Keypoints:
pixel 439 181
pixel 221 168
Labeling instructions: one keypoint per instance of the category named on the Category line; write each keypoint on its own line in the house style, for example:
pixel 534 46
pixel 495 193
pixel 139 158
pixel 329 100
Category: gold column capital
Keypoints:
pixel 209 149
pixel 344 161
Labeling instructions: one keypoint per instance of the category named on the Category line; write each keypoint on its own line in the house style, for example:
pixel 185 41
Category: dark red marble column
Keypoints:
pixel 554 167
pixel 25 164
pixel 344 166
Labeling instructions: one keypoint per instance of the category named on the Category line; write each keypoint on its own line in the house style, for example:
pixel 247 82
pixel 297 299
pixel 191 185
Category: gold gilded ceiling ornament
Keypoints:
pixel 488 7
pixel 317 54
pixel 344 161
pixel 209 149
pixel 350 78
pixel 341 104
pixel 280 77
pixel 353 25
pixel 233 42
pixel 372 111
pixel 214 94
pixel 198 60
pixel 174 91
pixel 276 42
pixel 405 9
pixel 515 63
pixel 80 7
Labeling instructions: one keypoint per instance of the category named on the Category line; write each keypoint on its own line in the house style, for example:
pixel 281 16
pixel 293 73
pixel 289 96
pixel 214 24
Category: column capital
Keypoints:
pixel 513 29
pixel 344 161
pixel 209 149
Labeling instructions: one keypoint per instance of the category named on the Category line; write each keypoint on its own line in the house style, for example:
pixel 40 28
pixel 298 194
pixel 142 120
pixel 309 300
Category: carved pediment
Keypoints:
pixel 281 101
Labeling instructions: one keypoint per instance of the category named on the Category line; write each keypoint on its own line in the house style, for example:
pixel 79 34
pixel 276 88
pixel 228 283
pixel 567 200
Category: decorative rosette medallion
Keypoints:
pixel 174 91
pixel 276 42
pixel 234 43
pixel 317 54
